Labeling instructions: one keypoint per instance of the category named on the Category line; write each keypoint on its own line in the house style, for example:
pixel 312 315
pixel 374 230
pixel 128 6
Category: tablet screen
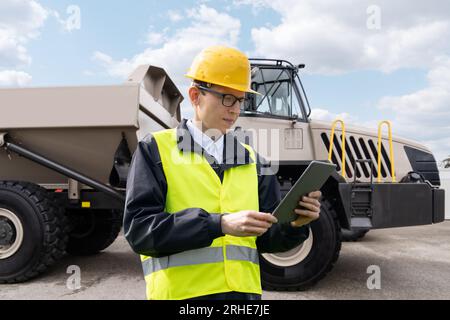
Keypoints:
pixel 312 179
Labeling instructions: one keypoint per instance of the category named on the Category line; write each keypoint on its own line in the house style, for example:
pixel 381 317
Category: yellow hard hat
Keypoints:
pixel 223 66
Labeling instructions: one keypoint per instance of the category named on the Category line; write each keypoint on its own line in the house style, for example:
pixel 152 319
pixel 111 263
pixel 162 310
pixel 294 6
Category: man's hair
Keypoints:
pixel 197 83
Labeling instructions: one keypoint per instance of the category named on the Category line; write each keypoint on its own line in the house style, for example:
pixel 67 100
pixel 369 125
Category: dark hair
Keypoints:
pixel 202 83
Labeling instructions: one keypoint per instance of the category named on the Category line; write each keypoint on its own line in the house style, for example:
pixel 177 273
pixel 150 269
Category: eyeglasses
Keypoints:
pixel 228 100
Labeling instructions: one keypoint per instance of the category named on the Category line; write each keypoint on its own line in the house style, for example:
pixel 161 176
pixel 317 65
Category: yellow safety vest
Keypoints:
pixel 229 263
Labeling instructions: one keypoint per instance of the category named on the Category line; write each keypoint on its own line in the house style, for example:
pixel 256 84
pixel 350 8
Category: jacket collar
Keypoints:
pixel 234 153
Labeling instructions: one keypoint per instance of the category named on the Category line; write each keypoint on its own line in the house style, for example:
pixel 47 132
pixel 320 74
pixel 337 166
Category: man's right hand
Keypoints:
pixel 247 223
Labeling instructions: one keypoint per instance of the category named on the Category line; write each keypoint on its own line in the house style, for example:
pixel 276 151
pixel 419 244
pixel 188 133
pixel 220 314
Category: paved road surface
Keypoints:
pixel 414 264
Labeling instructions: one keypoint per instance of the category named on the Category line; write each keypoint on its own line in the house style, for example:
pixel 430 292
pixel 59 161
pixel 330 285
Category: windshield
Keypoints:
pixel 277 97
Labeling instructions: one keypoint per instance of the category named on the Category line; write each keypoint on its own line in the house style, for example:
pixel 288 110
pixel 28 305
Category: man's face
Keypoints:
pixel 210 110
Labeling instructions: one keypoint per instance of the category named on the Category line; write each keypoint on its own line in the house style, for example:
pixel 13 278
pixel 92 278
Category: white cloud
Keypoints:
pixel 113 67
pixel 88 73
pixel 174 16
pixel 175 54
pixel 257 5
pixel 155 38
pixel 428 103
pixel 440 147
pixel 12 51
pixel 12 78
pixel 332 37
pixel 22 17
pixel 20 21
pixel 425 114
pixel 325 115
pixel 208 27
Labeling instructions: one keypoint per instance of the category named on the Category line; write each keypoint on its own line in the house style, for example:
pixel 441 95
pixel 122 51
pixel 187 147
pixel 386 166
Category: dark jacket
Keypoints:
pixel 152 232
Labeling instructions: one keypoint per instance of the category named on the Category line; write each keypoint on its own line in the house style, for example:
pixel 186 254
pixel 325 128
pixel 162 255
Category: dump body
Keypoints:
pixel 82 127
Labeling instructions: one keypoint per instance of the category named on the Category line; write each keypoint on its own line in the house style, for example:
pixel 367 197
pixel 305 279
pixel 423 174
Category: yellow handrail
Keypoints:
pixel 343 143
pixel 391 150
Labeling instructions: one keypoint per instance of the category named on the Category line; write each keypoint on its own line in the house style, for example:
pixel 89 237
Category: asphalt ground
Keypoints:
pixel 412 263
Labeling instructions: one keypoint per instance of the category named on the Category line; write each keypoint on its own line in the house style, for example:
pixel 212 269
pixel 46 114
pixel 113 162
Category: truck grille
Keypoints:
pixel 358 149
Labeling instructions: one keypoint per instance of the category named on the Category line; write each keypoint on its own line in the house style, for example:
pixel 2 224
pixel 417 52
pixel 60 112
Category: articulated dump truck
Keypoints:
pixel 65 155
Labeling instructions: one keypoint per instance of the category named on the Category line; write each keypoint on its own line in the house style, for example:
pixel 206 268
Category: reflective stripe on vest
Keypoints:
pixel 229 263
pixel 200 256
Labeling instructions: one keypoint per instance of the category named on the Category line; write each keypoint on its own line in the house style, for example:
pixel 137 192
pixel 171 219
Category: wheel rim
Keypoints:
pixel 293 256
pixel 84 225
pixel 11 233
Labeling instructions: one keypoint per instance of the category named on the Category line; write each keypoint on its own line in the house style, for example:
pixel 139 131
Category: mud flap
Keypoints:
pixel 122 160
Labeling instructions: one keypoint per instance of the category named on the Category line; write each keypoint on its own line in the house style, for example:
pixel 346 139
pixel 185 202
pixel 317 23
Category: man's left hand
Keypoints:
pixel 310 211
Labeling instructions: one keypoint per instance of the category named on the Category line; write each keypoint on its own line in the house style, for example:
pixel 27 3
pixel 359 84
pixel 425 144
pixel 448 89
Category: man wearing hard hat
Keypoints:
pixel 197 208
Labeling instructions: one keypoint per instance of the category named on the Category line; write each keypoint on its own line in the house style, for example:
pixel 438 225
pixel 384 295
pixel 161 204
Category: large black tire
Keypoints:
pixel 302 267
pixel 353 235
pixel 34 226
pixel 92 230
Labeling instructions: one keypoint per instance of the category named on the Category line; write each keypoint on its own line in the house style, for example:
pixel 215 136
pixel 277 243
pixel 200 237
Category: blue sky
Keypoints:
pixel 364 64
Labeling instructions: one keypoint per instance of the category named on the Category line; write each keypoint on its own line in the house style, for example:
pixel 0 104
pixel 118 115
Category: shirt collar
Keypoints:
pixel 202 139
pixel 234 153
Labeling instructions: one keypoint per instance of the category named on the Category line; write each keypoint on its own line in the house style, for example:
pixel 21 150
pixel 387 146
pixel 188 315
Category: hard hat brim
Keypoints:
pixel 235 87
